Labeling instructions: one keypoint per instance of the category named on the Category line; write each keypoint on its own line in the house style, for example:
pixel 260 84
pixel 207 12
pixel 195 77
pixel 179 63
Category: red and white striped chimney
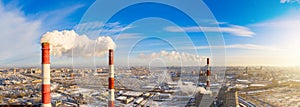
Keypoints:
pixel 46 100
pixel 111 87
pixel 208 75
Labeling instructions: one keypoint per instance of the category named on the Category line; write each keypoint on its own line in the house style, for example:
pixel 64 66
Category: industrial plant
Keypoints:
pixel 141 87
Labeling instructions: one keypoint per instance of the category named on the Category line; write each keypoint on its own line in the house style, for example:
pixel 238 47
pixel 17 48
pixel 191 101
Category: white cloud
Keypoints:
pixel 128 36
pixel 251 46
pixel 219 23
pixel 235 30
pixel 18 35
pixel 89 25
pixel 238 46
pixel 56 18
pixel 94 28
pixel 69 43
pixel 173 56
pixel 114 30
pixel 290 1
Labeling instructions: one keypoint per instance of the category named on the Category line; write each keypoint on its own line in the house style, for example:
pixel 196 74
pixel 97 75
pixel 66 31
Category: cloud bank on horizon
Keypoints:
pixel 173 56
pixel 234 30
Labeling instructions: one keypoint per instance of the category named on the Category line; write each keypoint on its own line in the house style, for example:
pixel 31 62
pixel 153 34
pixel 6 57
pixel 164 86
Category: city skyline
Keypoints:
pixel 254 34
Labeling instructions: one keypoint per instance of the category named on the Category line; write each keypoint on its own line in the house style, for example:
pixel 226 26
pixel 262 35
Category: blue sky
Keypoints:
pixel 256 32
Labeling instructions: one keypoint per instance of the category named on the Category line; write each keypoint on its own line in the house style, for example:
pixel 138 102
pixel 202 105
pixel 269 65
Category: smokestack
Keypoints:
pixel 111 101
pixel 46 100
pixel 208 75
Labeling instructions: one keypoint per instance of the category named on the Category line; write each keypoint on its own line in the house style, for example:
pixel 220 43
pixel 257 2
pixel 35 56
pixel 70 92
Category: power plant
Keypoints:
pixel 63 90
pixel 67 92
pixel 150 53
pixel 46 100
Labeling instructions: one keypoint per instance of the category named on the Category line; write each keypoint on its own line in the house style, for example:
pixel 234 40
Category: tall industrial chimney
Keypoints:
pixel 208 75
pixel 111 80
pixel 46 100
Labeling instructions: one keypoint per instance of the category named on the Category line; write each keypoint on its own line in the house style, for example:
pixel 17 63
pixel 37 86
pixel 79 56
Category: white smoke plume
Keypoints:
pixel 188 88
pixel 202 90
pixel 153 104
pixel 69 43
pixel 174 55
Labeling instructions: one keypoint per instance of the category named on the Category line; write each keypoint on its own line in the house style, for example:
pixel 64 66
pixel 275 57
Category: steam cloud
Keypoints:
pixel 188 89
pixel 69 43
pixel 173 55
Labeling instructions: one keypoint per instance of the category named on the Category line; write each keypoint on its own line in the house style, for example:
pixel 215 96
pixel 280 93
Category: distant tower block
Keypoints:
pixel 46 100
pixel 208 75
pixel 111 100
pixel 246 70
pixel 202 77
